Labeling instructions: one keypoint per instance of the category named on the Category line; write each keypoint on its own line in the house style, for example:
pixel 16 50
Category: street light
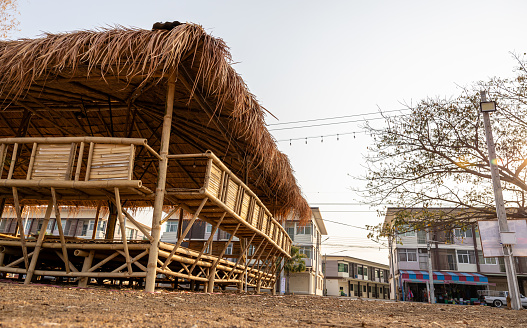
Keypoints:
pixel 506 237
pixel 487 106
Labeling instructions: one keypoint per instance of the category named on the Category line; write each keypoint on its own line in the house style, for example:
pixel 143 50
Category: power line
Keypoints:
pixel 322 136
pixel 345 224
pixel 326 124
pixel 336 117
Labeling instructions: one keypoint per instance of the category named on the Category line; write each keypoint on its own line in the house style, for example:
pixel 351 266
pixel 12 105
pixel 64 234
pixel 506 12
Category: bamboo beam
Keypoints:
pixel 61 231
pixel 76 274
pixel 67 262
pixel 169 215
pixel 103 262
pixel 129 217
pixel 225 248
pixel 36 251
pixel 20 226
pixel 97 212
pixel 134 260
pixel 242 254
pixel 123 229
pixel 20 260
pixel 211 237
pixel 160 190
pixel 184 234
pixel 83 282
pixel 110 246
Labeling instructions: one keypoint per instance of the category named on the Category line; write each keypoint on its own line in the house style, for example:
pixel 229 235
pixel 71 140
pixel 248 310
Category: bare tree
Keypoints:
pixel 8 17
pixel 435 153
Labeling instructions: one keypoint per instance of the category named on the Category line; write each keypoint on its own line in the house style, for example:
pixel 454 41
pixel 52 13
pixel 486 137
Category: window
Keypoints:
pixel 407 255
pixel 463 233
pixel 343 267
pixel 486 260
pixel 466 257
pixel 290 229
pixel 303 230
pixel 27 226
pixel 102 226
pixel 377 273
pixel 91 225
pixel 2 225
pixel 130 233
pixel 359 270
pixel 421 237
pixel 365 272
pixel 251 250
pixel 172 226
pixel 228 250
pixel 381 273
pixel 306 250
pixel 208 228
pixel 84 229
pixel 406 231
pixel 39 225
pixel 50 226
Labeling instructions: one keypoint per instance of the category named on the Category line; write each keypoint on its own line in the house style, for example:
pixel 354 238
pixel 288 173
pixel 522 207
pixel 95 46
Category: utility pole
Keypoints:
pixel 392 268
pixel 431 291
pixel 512 280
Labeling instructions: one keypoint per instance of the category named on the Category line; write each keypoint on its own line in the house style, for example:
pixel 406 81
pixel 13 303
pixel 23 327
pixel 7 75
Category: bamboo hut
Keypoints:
pixel 136 117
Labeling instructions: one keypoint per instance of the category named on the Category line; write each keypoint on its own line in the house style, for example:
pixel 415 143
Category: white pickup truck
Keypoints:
pixel 498 298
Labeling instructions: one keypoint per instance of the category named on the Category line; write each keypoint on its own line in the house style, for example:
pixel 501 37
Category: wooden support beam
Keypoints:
pixel 20 226
pixel 161 185
pixel 83 282
pixel 220 256
pixel 123 229
pixel 206 245
pixel 103 262
pixel 61 231
pixel 36 251
pixel 184 234
pixel 242 254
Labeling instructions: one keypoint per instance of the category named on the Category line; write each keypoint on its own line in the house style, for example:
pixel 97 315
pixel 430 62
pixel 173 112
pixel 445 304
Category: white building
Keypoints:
pixel 459 267
pixel 308 239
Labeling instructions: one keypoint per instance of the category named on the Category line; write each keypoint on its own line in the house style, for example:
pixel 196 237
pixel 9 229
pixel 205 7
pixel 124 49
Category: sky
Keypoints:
pixel 312 60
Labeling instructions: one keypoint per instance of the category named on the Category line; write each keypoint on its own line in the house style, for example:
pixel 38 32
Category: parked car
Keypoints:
pixel 498 298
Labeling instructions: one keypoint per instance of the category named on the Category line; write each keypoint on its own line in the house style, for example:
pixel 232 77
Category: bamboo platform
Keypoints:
pixel 60 169
pixel 106 259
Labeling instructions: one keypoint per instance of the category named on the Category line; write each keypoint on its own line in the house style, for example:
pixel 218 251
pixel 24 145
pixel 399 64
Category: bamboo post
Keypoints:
pixel 112 220
pixel 31 161
pixel 38 246
pixel 95 225
pixel 20 226
pixel 83 282
pixel 3 150
pixel 79 162
pixel 160 190
pixel 61 231
pixel 182 237
pixel 123 229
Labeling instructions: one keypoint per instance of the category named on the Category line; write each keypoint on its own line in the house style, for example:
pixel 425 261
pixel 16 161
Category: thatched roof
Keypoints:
pixel 113 82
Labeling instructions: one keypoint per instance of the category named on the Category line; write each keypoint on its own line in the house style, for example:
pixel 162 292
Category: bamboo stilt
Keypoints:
pixel 38 246
pixel 217 261
pixel 61 231
pixel 20 226
pixel 242 254
pixel 83 282
pixel 123 229
pixel 161 184
pixel 95 225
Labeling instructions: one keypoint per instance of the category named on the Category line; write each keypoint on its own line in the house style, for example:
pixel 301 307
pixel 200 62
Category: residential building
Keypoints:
pixel 307 237
pixel 76 222
pixel 353 277
pixel 458 265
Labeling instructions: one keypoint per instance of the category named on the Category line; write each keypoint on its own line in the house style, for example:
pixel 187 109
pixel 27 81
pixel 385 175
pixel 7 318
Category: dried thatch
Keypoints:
pixel 112 82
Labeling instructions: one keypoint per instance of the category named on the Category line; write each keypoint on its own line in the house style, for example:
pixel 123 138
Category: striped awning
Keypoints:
pixel 445 277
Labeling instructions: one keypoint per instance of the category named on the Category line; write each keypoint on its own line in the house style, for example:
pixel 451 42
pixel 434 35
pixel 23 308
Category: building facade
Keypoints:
pixel 458 265
pixel 308 237
pixel 353 277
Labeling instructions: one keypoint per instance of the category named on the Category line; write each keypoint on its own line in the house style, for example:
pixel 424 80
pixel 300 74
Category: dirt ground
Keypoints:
pixel 52 306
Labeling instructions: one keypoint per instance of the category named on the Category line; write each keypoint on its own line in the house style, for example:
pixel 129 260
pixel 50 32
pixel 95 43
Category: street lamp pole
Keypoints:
pixel 431 291
pixel 505 233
